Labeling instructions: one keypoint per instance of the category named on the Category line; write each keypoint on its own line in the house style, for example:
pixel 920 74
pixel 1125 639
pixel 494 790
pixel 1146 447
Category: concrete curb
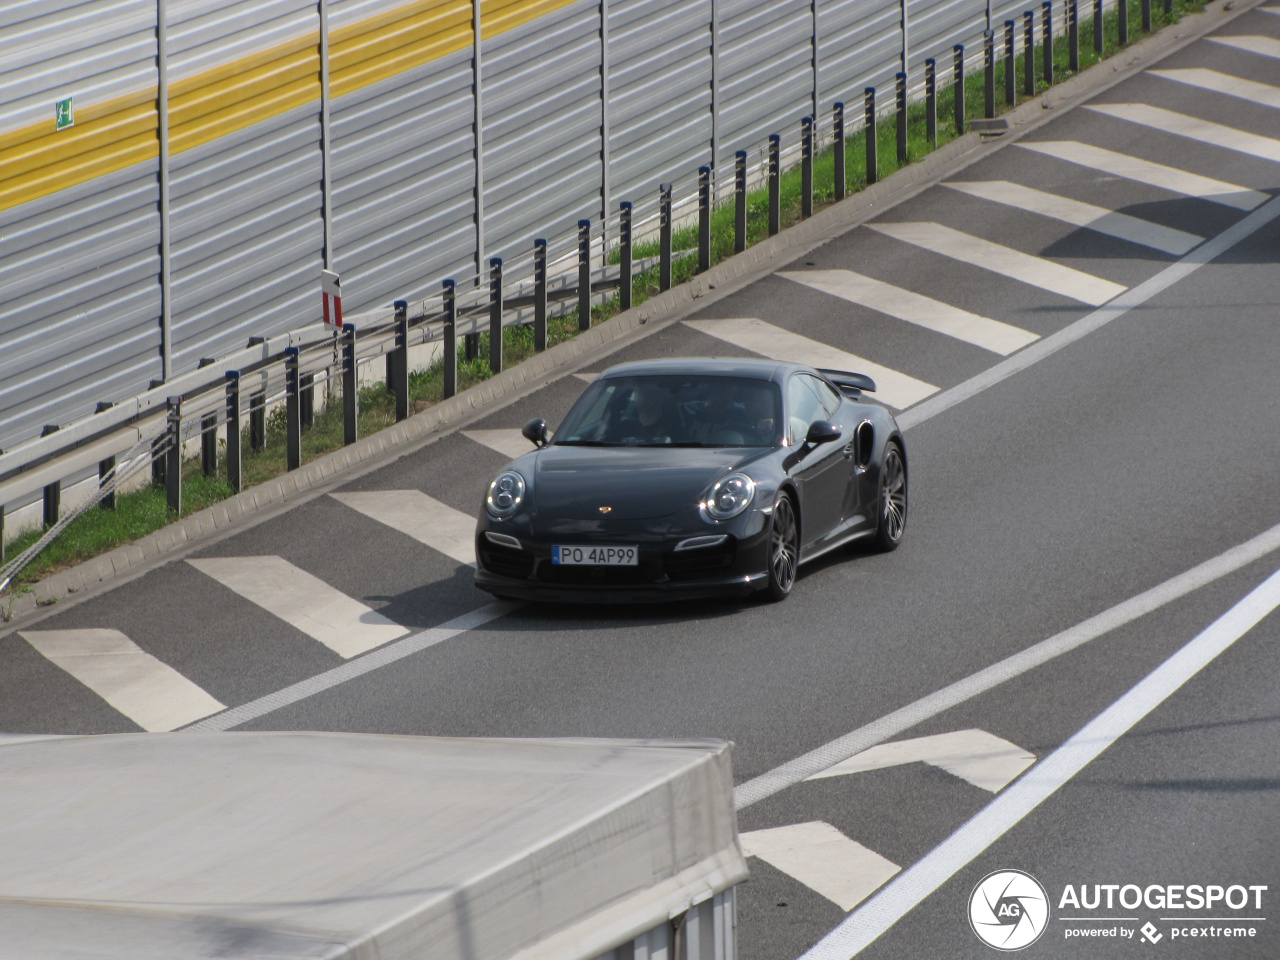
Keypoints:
pixel 320 475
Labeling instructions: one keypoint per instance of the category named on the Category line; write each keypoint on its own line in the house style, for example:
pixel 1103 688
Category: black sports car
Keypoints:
pixel 691 478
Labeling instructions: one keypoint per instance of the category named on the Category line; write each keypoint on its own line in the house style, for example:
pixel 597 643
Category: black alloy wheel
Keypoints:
pixel 784 549
pixel 892 509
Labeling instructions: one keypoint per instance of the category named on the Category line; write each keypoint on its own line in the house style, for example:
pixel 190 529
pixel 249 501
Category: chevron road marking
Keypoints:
pixel 424 518
pixel 1192 128
pixel 150 693
pixel 344 625
pixel 1001 338
pixel 1144 171
pixel 1035 271
pixel 1263 93
pixel 982 758
pixel 1263 46
pixel 510 443
pixel 823 859
pixel 1080 214
pixel 894 388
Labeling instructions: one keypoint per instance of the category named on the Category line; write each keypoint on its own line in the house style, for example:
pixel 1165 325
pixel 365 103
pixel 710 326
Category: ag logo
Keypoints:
pixel 1008 910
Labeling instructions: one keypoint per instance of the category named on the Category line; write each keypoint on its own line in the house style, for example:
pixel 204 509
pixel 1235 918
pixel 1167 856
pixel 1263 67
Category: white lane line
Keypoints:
pixel 587 377
pixel 823 859
pixel 1144 171
pixel 1080 214
pixel 1005 261
pixel 352 669
pixel 424 518
pixel 1192 128
pixel 344 625
pixel 924 877
pixel 894 388
pixel 150 693
pixel 1263 46
pixel 982 758
pixel 510 443
pixel 1263 93
pixel 1001 338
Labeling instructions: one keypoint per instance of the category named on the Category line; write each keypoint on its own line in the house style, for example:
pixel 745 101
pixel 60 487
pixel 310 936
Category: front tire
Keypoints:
pixel 891 508
pixel 784 549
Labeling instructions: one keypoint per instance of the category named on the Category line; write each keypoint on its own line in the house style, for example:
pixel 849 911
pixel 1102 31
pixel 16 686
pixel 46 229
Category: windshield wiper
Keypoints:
pixel 584 443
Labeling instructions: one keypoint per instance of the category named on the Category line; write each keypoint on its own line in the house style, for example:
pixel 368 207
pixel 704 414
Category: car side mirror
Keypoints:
pixel 822 431
pixel 535 431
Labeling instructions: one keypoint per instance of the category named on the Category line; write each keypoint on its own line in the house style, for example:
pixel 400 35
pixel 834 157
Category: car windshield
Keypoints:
pixel 675 411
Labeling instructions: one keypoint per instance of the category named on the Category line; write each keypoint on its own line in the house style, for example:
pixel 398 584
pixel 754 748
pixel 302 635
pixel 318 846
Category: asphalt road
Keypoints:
pixel 1111 465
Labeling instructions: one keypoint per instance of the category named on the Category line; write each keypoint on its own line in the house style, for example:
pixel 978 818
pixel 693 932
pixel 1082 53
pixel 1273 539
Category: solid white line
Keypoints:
pixel 1087 215
pixel 344 625
pixel 831 753
pixel 823 859
pixel 1263 93
pixel 510 443
pixel 1144 171
pixel 150 693
pixel 424 518
pixel 1263 46
pixel 1193 128
pixel 1001 338
pixel 355 668
pixel 894 388
pixel 999 816
pixel 1023 267
pixel 982 758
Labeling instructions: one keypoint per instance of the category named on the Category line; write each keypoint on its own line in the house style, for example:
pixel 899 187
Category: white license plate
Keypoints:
pixel 595 556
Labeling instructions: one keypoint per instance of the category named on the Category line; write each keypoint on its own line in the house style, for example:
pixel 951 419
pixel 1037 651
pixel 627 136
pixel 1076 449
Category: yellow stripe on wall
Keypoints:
pixel 37 160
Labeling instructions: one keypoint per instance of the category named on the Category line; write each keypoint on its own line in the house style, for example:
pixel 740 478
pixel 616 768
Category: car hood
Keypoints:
pixel 637 483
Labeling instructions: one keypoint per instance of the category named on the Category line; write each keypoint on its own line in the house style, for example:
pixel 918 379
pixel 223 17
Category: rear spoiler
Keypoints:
pixel 851 384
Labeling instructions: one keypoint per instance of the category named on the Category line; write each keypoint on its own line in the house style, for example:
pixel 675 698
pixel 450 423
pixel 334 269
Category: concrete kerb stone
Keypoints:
pixel 657 312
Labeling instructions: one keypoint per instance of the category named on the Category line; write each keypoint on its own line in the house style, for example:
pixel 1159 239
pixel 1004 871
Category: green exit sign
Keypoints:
pixel 64 114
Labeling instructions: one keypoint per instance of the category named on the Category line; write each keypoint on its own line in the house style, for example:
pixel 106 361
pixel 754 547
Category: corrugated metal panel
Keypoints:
pixel 860 46
pixel 659 80
pixel 245 206
pixel 79 294
pixel 542 119
pixel 766 71
pixel 1000 12
pixel 403 153
pixel 938 25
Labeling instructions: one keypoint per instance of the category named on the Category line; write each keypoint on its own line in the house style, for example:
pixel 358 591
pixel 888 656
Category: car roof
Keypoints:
pixel 709 366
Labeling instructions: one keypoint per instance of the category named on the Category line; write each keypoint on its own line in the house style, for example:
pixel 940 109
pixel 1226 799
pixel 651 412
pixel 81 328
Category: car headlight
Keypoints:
pixel 730 496
pixel 506 493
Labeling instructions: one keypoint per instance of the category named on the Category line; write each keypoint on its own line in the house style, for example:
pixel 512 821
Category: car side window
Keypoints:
pixel 829 399
pixel 803 407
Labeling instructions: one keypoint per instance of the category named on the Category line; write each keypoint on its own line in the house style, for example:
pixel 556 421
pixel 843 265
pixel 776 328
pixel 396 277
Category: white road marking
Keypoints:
pixel 1001 338
pixel 1144 171
pixel 1081 214
pixel 1250 90
pixel 1192 128
pixel 894 388
pixel 344 625
pixel 925 876
pixel 424 518
pixel 509 443
pixel 150 693
pixel 1263 46
pixel 823 859
pixel 1008 262
pixel 587 377
pixel 982 758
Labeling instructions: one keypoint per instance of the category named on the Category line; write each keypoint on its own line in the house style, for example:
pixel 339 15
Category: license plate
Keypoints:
pixel 595 556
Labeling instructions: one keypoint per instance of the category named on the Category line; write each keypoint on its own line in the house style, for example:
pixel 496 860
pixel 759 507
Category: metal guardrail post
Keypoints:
pixel 900 96
pixel 837 131
pixel 806 167
pixel 350 389
pixel 931 102
pixel 258 422
pixel 1073 36
pixel 1122 11
pixel 704 219
pixel 495 314
pixel 52 491
pixel 1168 7
pixel 958 88
pixel 157 457
pixel 235 471
pixel 1146 16
pixel 626 255
pixel 989 69
pixel 775 183
pixel 209 444
pixel 449 355
pixel 1029 53
pixel 740 201
pixel 292 412
pixel 105 468
pixel 869 117
pixel 539 295
pixel 400 383
pixel 584 275
pixel 1046 39
pixel 1010 65
pixel 664 236
pixel 307 400
pixel 1098 42
pixel 173 457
